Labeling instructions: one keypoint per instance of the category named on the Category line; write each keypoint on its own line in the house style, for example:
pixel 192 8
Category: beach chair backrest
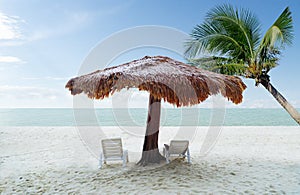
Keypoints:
pixel 178 146
pixel 112 147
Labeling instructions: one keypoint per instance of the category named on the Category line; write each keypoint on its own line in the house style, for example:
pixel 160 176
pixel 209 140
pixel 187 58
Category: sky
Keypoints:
pixel 44 43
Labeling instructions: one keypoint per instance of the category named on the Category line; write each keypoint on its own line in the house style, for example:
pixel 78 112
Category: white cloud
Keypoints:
pixel 9 27
pixel 10 59
pixel 67 22
pixel 26 92
pixel 14 96
pixel 48 78
pixel 11 34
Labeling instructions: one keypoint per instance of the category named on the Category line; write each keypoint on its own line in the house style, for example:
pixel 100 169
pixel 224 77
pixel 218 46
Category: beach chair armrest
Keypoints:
pixel 166 146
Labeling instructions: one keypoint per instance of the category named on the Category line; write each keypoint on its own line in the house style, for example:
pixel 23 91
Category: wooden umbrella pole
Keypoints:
pixel 150 149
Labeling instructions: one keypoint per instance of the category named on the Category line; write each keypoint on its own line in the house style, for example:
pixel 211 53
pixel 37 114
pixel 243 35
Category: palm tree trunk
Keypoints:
pixel 150 149
pixel 282 101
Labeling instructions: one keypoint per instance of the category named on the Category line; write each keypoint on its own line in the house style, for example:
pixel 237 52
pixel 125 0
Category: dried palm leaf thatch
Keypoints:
pixel 163 77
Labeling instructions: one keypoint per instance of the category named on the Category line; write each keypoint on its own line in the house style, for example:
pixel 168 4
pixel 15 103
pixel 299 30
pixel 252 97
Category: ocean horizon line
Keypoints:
pixel 138 116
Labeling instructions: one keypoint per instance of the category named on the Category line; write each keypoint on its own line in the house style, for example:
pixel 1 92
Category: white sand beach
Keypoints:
pixel 245 160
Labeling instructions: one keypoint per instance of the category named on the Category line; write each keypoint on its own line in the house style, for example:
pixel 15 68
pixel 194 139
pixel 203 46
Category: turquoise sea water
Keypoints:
pixel 137 117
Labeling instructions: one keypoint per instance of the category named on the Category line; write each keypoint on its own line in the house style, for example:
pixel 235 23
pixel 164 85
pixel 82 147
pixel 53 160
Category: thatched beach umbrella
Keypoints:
pixel 164 78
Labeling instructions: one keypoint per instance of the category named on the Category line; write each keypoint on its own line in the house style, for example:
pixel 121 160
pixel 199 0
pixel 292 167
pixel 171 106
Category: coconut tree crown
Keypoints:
pixel 233 37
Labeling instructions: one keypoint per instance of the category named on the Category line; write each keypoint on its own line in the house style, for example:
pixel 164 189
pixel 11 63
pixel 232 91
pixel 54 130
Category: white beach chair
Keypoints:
pixel 177 148
pixel 112 150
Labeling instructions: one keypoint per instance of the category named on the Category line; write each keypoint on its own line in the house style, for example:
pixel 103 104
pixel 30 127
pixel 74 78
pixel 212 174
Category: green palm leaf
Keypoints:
pixel 208 37
pixel 241 24
pixel 225 33
pixel 277 36
pixel 281 32
pixel 220 65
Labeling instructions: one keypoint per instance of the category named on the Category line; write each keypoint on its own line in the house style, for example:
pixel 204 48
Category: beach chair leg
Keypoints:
pixel 100 160
pixel 125 157
pixel 166 154
pixel 188 156
pixel 167 157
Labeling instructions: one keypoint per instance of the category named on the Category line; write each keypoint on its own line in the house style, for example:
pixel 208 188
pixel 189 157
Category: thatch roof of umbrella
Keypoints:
pixel 162 77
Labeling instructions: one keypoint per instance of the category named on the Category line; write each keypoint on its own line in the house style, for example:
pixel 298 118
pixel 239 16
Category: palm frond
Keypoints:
pixel 231 69
pixel 240 24
pixel 220 65
pixel 280 33
pixel 209 37
pixel 277 36
pixel 226 33
pixel 207 63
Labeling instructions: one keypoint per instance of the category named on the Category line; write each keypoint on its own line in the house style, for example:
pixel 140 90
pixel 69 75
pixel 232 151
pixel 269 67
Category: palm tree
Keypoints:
pixel 235 46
